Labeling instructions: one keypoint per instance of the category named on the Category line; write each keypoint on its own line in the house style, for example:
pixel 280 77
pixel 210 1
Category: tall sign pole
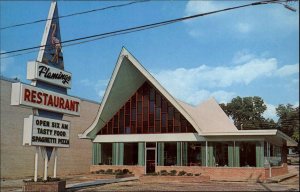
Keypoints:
pixel 51 54
pixel 47 96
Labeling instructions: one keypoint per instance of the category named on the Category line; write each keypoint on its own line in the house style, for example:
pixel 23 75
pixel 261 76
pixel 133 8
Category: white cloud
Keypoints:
pixel 242 57
pixel 98 86
pixel 296 104
pixel 259 21
pixel 193 85
pixel 199 96
pixel 270 112
pixel 196 7
pixel 288 70
pixel 243 27
pixel 204 76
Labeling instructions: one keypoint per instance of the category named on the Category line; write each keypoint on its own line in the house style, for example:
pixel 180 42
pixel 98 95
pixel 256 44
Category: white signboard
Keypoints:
pixel 40 131
pixel 27 95
pixel 46 73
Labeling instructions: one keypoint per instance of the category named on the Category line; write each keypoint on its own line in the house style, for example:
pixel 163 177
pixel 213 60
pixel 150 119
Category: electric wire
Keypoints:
pixel 83 41
pixel 132 29
pixel 74 14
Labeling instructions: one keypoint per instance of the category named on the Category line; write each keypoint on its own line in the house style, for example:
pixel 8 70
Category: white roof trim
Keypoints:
pixel 151 79
pixel 290 141
pixel 244 132
pixel 128 138
pixel 104 99
pixel 260 132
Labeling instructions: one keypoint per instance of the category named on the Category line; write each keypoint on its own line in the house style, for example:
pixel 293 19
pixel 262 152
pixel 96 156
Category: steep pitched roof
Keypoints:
pixel 127 77
pixel 210 117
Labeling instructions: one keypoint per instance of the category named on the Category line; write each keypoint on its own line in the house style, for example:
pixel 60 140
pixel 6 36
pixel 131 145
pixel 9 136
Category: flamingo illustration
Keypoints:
pixel 55 43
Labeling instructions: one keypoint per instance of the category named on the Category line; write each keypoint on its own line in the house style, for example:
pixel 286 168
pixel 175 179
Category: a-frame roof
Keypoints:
pixel 127 77
pixel 208 118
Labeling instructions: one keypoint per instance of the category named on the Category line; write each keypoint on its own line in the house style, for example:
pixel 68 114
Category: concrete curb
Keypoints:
pixel 280 178
pixel 99 182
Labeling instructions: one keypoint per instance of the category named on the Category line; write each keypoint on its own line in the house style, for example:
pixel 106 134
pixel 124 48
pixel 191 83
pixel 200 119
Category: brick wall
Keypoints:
pixel 276 171
pixel 215 173
pixel 222 173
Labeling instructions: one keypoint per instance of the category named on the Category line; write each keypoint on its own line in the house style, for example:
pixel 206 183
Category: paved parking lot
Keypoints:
pixel 290 185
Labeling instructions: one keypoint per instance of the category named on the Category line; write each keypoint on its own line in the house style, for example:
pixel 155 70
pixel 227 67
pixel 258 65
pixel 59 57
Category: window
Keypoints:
pixel 194 154
pixel 170 154
pixel 130 154
pixel 147 111
pixel 106 153
pixel 247 154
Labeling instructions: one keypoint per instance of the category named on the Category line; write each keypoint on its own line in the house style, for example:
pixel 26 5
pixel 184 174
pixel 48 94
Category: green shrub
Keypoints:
pixel 181 173
pixel 109 171
pixel 189 174
pixel 173 172
pixel 125 171
pixel 118 172
pixel 101 171
pixel 163 172
pixel 197 174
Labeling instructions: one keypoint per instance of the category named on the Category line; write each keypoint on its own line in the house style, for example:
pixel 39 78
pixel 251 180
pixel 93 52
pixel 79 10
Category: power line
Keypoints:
pixel 133 29
pixel 74 14
pixel 81 42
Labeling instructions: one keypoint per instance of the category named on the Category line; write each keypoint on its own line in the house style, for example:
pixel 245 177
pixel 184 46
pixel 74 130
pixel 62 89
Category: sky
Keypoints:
pixel 252 51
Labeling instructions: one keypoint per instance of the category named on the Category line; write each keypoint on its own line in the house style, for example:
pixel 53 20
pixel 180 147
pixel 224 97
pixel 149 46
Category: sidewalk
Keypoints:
pixel 98 182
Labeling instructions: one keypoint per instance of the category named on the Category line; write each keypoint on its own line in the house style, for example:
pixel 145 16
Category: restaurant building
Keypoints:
pixel 142 127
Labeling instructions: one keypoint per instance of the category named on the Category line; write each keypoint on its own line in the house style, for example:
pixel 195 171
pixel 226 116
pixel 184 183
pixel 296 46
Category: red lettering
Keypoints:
pixel 50 101
pixel 72 105
pixel 61 103
pixel 39 97
pixel 67 104
pixel 45 98
pixel 33 96
pixel 76 106
pixel 26 95
pixel 56 101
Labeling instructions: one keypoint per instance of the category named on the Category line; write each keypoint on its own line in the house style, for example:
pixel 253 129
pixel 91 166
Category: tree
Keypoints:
pixel 247 113
pixel 288 121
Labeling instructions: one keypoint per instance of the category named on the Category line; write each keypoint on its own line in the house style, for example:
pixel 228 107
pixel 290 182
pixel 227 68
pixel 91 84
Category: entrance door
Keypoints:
pixel 150 160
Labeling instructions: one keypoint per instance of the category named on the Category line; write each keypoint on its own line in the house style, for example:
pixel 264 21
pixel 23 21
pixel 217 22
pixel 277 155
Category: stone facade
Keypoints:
pixel 17 161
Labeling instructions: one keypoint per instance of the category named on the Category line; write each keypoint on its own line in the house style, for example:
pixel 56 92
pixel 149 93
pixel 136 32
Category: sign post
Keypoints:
pixel 36 163
pixel 55 162
pixel 47 95
pixel 46 165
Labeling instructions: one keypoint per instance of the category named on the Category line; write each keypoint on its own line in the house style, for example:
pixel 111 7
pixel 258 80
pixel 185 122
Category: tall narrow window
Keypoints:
pixel 147 111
